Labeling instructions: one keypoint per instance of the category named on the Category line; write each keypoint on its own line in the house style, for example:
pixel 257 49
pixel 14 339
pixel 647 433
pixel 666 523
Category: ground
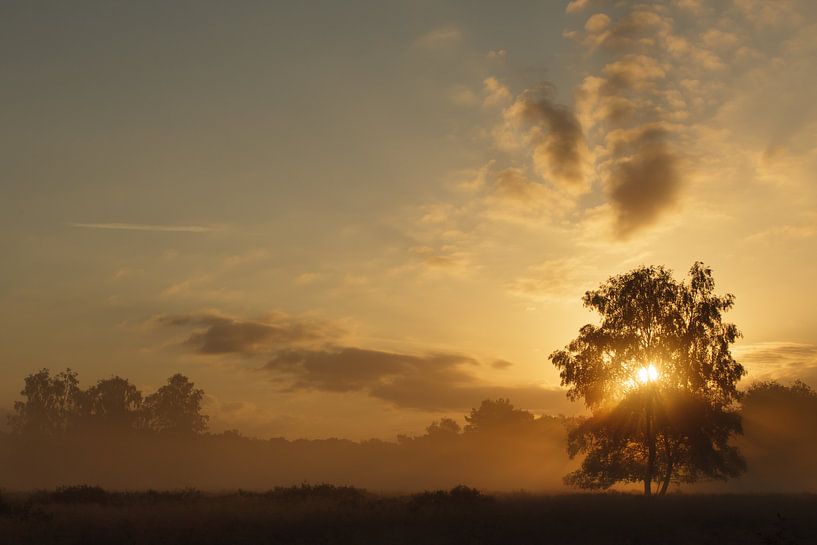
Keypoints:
pixel 337 515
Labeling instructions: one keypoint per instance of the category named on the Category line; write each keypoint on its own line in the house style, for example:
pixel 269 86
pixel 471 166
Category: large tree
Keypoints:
pixel 658 375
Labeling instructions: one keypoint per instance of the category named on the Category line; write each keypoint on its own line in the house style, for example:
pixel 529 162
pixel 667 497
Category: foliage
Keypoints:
pixel 112 404
pixel 51 405
pixel 497 415
pixel 457 496
pixel 55 404
pixel 444 427
pixel 176 407
pixel 676 428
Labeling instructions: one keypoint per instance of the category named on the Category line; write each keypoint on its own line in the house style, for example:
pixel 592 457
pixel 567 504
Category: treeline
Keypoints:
pixel 112 435
pixel 55 404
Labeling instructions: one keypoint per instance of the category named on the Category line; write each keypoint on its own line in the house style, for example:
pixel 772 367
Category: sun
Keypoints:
pixel 647 374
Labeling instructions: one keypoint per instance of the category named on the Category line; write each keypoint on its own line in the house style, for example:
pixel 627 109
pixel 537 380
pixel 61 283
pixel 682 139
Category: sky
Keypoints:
pixel 351 219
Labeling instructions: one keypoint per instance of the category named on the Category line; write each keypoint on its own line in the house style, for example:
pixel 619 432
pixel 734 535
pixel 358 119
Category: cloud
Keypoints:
pixel 555 136
pixel 596 23
pixel 307 278
pixel 515 198
pixel 782 361
pixel 634 109
pixel 463 96
pixel 645 180
pixel 439 38
pixel 511 185
pixel 496 93
pixel 563 278
pixel 501 364
pixel 781 233
pixel 217 334
pixel 446 257
pixel 497 55
pixel 303 355
pixel 575 6
pixel 431 382
pixel 146 227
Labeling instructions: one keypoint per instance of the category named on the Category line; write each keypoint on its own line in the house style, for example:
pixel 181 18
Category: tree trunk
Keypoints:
pixel 668 474
pixel 667 477
pixel 650 450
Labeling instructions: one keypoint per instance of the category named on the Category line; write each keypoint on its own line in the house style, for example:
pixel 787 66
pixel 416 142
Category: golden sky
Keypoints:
pixel 350 219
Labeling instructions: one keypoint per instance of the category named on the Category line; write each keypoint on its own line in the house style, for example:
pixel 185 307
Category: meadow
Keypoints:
pixel 326 514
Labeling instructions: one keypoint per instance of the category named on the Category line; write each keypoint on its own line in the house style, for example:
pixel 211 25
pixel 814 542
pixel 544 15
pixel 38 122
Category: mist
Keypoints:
pixel 496 447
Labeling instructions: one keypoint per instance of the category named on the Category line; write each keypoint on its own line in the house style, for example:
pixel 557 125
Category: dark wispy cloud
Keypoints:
pixel 218 334
pixel 433 382
pixel 309 355
pixel 645 181
pixel 554 134
pixel 347 369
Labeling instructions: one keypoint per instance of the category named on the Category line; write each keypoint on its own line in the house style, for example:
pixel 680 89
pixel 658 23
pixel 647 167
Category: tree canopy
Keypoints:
pixel 54 403
pixel 498 416
pixel 659 377
pixel 176 407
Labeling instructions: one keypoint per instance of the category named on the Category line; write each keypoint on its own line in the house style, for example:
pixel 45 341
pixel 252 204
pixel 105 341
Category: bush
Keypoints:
pixel 327 492
pixel 459 495
pixel 79 494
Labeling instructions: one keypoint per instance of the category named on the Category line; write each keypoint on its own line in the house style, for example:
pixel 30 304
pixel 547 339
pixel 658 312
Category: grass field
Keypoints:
pixel 332 515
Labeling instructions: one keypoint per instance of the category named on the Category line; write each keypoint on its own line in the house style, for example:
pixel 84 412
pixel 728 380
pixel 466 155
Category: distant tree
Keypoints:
pixel 176 407
pixel 773 393
pixel 445 427
pixel 51 403
pixel 660 379
pixel 497 415
pixel 112 404
pixel 781 435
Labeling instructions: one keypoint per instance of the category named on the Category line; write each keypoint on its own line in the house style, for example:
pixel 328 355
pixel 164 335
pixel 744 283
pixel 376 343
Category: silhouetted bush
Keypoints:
pixel 307 492
pixel 79 494
pixel 459 495
pixel 187 494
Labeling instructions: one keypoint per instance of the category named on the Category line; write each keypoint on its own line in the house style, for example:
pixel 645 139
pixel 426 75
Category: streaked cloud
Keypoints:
pixel 497 55
pixel 780 360
pixel 439 38
pixel 148 227
pixel 560 278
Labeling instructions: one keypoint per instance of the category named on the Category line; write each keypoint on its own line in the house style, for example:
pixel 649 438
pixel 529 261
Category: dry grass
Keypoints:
pixel 326 514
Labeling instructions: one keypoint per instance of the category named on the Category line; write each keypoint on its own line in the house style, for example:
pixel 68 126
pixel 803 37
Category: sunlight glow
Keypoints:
pixel 647 374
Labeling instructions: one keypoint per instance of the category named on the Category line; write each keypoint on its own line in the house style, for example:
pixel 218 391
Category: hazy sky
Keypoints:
pixel 351 218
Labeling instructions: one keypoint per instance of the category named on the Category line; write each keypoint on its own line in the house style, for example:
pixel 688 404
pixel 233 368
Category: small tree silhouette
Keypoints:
pixel 112 404
pixel 176 407
pixel 51 403
pixel 498 416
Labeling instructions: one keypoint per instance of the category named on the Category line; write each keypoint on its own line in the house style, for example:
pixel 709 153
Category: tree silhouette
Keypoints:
pixel 445 427
pixel 660 380
pixel 176 407
pixel 498 416
pixel 112 404
pixel 51 403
